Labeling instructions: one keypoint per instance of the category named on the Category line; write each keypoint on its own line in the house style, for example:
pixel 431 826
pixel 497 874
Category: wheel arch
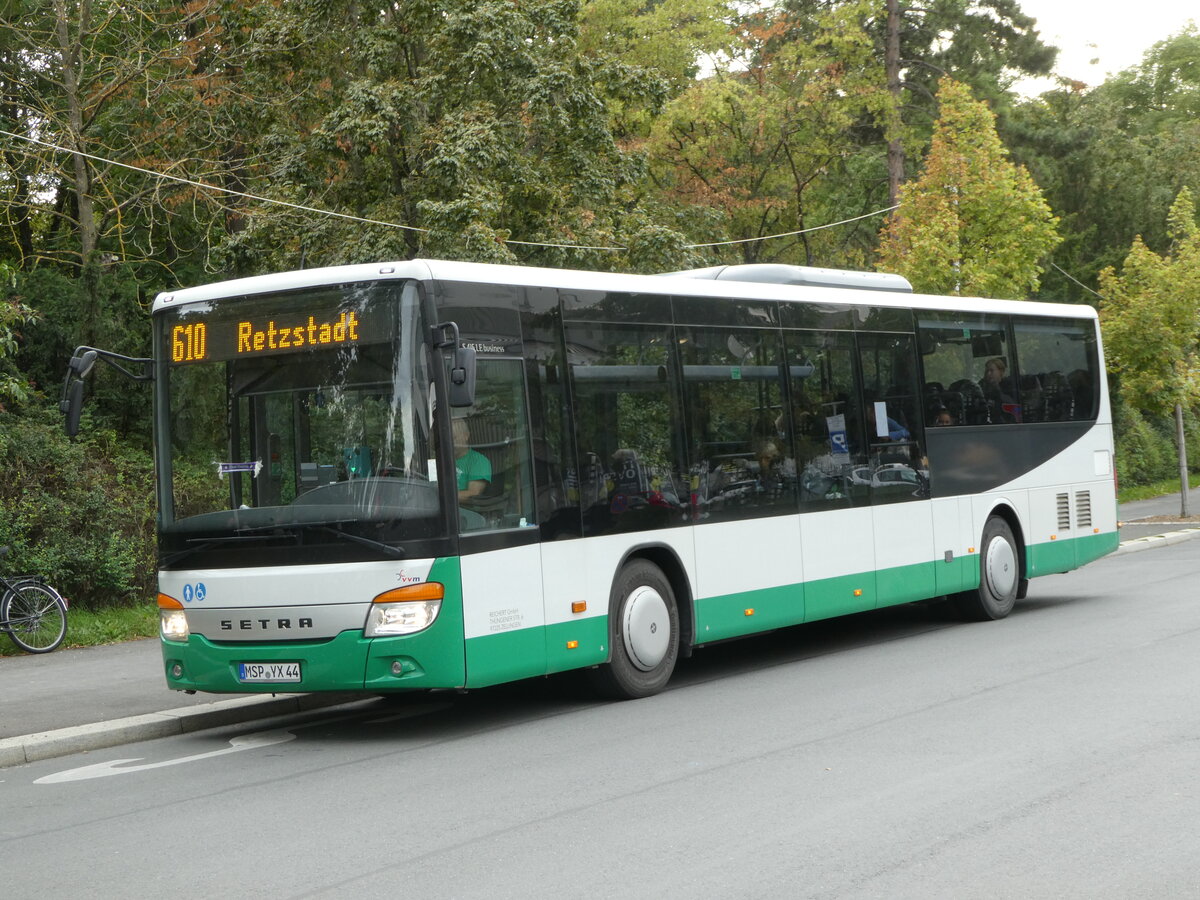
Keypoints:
pixel 672 567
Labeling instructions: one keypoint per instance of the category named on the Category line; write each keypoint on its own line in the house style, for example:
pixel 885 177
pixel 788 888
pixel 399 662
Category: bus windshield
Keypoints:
pixel 297 419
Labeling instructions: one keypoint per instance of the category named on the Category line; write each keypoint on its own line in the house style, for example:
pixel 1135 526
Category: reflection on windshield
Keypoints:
pixel 325 441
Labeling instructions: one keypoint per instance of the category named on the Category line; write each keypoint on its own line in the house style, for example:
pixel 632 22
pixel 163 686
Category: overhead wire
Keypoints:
pixel 179 179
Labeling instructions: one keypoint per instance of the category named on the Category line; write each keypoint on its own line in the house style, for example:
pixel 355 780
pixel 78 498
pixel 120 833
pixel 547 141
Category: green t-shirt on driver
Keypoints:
pixel 472 466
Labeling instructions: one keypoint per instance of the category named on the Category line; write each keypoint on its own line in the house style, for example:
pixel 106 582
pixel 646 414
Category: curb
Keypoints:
pixel 29 748
pixel 1157 540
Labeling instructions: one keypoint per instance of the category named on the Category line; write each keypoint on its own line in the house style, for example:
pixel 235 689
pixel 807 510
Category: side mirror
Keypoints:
pixel 462 377
pixel 73 407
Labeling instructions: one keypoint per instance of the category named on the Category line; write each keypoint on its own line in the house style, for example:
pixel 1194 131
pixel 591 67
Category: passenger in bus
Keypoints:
pixel 997 391
pixel 472 467
pixel 895 431
pixel 942 417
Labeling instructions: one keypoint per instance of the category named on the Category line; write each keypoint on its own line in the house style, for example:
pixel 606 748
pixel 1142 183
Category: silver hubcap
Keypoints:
pixel 1001 568
pixel 647 630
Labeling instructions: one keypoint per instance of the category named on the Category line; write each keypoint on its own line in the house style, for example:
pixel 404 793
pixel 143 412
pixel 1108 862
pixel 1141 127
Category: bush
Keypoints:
pixel 1146 450
pixel 81 514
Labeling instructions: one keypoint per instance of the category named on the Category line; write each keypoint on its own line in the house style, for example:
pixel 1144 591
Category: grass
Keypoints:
pixel 91 628
pixel 1156 489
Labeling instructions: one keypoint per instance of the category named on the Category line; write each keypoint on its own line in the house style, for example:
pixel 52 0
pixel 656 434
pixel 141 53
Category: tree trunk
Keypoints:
pixel 68 51
pixel 891 62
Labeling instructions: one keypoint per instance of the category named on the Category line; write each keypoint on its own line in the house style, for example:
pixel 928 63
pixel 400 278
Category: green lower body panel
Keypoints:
pixel 735 615
pixel 1053 557
pixel 530 652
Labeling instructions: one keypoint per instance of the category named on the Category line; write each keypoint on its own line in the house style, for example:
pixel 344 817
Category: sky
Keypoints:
pixel 1115 32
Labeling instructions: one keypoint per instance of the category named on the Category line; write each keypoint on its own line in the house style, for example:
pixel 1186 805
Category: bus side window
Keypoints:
pixel 742 464
pixel 897 464
pixel 826 419
pixel 632 474
pixel 497 429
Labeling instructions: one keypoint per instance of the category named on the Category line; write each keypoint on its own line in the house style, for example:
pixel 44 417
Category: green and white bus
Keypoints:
pixel 431 474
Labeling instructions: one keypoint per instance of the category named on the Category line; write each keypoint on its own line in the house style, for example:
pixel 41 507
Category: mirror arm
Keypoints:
pixel 80 367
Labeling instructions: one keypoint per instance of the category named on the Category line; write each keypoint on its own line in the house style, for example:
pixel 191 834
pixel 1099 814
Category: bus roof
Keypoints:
pixel 571 279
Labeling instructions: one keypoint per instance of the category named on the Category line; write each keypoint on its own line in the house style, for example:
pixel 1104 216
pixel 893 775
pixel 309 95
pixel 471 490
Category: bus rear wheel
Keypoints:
pixel 999 575
pixel 643 633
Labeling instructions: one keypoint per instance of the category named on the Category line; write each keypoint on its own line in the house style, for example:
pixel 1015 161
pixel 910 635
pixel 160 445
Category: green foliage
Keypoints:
pixel 80 514
pixel 766 147
pixel 1113 157
pixel 1149 317
pixel 973 223
pixel 1145 448
pixel 13 314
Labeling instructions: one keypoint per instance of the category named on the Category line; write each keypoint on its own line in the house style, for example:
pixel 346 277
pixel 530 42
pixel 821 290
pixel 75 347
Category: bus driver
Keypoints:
pixel 473 469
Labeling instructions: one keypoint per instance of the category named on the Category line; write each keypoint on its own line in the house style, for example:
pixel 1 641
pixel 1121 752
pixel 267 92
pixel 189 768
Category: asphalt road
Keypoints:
pixel 894 754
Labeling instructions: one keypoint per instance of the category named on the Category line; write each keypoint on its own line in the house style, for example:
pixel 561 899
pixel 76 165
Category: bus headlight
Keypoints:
pixel 172 620
pixel 404 610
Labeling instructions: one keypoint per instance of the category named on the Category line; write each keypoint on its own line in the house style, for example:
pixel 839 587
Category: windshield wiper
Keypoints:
pixel 386 549
pixel 329 528
pixel 207 544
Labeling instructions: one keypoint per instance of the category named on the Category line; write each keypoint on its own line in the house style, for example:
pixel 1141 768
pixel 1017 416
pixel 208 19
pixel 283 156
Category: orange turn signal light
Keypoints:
pixel 572 645
pixel 426 590
pixel 579 606
pixel 165 602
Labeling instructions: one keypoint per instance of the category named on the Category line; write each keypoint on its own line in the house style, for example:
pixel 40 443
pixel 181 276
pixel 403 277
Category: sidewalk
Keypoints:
pixel 95 697
pixel 1158 520
pixel 89 698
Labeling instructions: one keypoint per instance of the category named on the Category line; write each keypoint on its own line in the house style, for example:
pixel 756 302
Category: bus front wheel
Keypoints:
pixel 643 633
pixel 999 574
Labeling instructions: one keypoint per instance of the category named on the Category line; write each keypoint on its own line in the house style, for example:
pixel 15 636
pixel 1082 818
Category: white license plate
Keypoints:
pixel 268 673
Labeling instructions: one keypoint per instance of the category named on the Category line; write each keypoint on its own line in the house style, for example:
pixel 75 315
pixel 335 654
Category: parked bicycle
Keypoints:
pixel 32 612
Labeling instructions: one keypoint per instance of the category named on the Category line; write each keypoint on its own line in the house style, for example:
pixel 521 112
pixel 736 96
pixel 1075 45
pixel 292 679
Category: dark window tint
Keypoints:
pixel 734 388
pixel 725 311
pixel 969 378
pixel 1059 379
pixel 611 306
pixel 631 473
pixel 486 314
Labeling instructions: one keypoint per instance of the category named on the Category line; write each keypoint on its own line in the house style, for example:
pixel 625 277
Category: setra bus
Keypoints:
pixel 431 474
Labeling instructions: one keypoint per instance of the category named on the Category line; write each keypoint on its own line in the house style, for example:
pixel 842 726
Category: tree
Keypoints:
pixel 1150 317
pixel 476 126
pixel 766 147
pixel 973 222
pixel 985 44
pixel 1112 158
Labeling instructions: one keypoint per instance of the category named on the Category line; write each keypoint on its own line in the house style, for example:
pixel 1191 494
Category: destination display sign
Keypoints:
pixel 216 335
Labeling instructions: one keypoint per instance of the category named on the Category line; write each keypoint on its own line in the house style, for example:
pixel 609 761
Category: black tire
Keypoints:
pixel 642 659
pixel 999 575
pixel 37 617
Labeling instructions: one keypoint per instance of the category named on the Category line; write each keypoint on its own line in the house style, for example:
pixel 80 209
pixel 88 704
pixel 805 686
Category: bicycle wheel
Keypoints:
pixel 36 617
